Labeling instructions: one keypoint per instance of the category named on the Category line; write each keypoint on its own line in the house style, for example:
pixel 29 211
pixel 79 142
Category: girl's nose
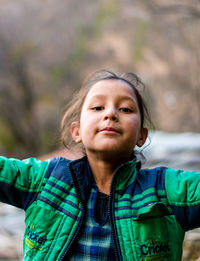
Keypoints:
pixel 110 114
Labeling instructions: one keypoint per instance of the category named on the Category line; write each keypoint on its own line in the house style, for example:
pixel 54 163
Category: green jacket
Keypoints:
pixel 149 209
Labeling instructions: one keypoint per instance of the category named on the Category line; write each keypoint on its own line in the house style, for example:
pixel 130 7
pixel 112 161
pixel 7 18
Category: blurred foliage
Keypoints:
pixel 139 40
pixel 80 50
pixel 106 11
pixel 7 140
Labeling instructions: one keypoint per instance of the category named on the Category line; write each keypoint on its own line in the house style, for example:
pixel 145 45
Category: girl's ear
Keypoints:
pixel 75 132
pixel 143 137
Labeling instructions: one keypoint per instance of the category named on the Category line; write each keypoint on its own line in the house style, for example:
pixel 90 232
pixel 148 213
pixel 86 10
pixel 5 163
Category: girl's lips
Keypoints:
pixel 109 130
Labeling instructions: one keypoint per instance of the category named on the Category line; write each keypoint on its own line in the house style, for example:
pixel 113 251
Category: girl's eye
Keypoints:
pixel 97 108
pixel 124 109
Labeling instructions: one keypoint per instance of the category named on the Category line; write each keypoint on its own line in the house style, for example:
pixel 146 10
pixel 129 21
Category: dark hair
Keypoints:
pixel 73 109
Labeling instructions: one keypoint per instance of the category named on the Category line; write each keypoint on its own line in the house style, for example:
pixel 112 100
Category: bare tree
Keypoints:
pixel 17 99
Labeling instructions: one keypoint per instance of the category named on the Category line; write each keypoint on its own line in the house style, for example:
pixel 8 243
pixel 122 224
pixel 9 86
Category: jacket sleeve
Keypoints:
pixel 183 194
pixel 20 180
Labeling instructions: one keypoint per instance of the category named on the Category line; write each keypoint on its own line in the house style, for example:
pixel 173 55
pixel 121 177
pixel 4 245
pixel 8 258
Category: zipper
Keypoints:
pixel 81 218
pixel 112 216
pixel 114 236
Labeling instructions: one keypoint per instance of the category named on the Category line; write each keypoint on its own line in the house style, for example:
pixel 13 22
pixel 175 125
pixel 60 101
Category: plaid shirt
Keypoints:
pixel 95 241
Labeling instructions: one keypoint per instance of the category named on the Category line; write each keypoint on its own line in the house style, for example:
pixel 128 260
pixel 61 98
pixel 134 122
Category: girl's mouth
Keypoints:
pixel 109 130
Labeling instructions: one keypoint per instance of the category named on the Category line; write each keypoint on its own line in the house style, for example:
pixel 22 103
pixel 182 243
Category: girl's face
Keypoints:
pixel 110 120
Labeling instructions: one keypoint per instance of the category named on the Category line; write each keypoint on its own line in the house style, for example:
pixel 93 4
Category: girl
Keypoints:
pixel 102 206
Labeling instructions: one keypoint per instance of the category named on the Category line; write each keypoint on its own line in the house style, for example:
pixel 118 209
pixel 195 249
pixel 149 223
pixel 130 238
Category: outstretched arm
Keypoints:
pixel 183 193
pixel 20 180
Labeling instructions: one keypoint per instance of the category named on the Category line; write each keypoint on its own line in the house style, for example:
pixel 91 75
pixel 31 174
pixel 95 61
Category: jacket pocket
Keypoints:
pixel 42 231
pixel 152 239
pixel 153 235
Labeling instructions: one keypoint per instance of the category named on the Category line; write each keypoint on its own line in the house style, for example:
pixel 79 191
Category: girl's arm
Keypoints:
pixel 20 180
pixel 183 193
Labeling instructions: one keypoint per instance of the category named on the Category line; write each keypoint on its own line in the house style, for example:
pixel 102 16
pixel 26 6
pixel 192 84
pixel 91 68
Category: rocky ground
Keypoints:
pixel 179 151
pixel 11 233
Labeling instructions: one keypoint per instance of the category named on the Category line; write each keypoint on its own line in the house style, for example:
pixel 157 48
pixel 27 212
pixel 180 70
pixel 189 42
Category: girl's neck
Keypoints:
pixel 103 172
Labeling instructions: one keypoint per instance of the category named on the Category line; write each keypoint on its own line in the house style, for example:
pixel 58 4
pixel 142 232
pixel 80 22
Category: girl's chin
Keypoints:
pixel 109 146
pixel 110 149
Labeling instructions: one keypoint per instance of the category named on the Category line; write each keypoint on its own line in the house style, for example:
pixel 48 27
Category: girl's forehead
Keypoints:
pixel 110 87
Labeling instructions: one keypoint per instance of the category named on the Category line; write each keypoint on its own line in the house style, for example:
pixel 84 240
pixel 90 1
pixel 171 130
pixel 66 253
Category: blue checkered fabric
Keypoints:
pixel 95 240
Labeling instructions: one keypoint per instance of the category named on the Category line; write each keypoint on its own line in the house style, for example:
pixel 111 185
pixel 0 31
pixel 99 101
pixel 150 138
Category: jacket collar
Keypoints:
pixel 83 177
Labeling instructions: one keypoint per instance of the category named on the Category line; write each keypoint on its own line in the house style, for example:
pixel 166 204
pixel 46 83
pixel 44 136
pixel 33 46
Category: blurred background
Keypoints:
pixel 47 47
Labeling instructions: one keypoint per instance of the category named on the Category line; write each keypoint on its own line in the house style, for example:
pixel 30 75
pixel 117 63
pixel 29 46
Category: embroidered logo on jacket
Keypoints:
pixel 154 250
pixel 33 239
